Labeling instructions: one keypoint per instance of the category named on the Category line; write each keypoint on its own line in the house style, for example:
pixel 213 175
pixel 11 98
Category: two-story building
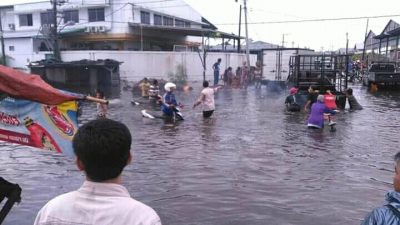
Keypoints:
pixel 385 45
pixel 120 29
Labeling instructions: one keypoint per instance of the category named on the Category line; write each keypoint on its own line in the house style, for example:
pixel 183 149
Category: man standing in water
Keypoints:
pixel 311 97
pixel 216 68
pixel 388 214
pixel 102 149
pixel 354 105
pixel 207 99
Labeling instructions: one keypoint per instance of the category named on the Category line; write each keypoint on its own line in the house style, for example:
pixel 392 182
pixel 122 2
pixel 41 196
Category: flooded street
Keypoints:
pixel 252 163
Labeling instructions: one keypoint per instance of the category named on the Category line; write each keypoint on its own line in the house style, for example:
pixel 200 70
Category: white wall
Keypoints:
pixel 22 53
pixel 270 66
pixel 137 65
pixel 7 17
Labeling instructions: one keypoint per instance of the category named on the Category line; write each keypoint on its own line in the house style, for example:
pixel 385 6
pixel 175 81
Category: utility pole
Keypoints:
pixel 2 42
pixel 54 33
pixel 347 58
pixel 240 25
pixel 365 41
pixel 247 33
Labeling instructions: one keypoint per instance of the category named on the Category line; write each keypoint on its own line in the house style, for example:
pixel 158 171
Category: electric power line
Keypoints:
pixel 121 3
pixel 313 20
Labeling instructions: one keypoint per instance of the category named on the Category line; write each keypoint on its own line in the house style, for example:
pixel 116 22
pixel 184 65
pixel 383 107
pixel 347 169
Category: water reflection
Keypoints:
pixel 251 163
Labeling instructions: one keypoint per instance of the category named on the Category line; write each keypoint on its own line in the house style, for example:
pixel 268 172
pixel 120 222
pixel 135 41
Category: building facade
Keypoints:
pixel 386 45
pixel 84 26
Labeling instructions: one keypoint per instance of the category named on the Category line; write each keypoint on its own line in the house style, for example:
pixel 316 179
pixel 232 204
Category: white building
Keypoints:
pixel 125 30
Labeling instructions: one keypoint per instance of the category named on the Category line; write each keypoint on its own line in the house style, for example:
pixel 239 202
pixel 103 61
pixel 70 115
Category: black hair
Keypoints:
pixel 100 92
pixel 205 84
pixel 103 146
pixel 155 82
pixel 349 91
pixel 219 59
pixel 397 158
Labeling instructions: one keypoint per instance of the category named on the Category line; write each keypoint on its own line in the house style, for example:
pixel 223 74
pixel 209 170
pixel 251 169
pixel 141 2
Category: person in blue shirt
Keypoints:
pixel 168 101
pixel 388 214
pixel 216 68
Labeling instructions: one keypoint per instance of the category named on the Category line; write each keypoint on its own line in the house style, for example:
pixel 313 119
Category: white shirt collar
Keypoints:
pixel 103 189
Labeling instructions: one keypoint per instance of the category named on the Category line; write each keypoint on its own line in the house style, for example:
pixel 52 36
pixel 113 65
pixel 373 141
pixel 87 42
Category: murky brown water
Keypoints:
pixel 251 164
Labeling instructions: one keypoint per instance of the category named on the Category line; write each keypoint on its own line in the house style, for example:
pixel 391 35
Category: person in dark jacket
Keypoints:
pixel 388 214
pixel 291 103
pixel 354 105
pixel 311 98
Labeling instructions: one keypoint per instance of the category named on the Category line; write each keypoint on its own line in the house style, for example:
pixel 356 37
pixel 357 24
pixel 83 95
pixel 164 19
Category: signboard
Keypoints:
pixel 49 127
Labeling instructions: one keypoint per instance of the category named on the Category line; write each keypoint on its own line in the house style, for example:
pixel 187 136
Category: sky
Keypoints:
pixel 320 35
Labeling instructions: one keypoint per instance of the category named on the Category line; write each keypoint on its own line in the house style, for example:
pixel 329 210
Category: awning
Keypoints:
pixel 395 32
pixel 73 31
pixel 64 33
pixel 382 36
pixel 186 31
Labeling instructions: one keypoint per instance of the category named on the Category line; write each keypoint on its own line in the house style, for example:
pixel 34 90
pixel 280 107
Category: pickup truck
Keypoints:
pixel 381 73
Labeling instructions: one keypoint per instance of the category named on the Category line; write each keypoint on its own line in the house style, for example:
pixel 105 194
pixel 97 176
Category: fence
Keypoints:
pixel 137 64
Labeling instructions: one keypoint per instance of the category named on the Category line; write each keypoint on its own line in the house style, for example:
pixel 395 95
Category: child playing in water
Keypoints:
pixel 330 103
pixel 102 108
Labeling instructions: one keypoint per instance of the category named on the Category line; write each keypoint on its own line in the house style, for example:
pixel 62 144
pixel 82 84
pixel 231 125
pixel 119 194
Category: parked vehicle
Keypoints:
pixel 382 73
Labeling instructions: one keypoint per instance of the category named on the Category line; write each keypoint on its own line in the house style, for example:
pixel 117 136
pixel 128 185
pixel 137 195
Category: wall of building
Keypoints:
pixel 18 52
pixel 137 65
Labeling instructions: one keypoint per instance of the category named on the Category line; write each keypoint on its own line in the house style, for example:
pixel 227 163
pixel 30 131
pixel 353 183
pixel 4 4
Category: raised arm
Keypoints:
pixel 199 100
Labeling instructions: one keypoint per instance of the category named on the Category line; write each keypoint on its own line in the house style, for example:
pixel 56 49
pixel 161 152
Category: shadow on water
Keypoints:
pixel 251 163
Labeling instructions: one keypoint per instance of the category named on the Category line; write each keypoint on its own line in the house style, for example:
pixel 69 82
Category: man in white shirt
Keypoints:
pixel 207 100
pixel 102 148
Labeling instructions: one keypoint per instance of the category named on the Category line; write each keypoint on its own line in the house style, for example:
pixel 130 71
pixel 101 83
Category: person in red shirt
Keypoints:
pixel 330 103
pixel 330 100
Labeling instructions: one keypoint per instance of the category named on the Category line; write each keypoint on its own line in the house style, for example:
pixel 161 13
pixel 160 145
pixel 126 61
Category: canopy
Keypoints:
pixel 31 87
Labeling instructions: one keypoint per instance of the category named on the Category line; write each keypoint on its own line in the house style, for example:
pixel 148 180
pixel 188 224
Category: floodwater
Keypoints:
pixel 252 163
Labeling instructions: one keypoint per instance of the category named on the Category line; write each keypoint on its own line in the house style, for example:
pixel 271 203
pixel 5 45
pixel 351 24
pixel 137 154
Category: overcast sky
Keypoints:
pixel 325 35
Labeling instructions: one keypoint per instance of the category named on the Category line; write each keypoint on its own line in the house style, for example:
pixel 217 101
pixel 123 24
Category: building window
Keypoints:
pixel 157 20
pixel 179 23
pixel 25 20
pixel 96 14
pixel 144 17
pixel 187 24
pixel 46 18
pixel 11 48
pixel 168 21
pixel 71 15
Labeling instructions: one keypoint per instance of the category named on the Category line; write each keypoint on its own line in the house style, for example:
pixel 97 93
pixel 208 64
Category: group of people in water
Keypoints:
pixel 241 78
pixel 169 106
pixel 320 106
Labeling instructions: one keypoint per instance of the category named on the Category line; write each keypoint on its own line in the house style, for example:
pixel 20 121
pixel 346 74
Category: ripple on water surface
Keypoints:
pixel 251 163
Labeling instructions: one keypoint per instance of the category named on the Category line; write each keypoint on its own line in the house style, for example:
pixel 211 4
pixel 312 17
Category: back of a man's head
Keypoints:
pixel 397 158
pixel 103 147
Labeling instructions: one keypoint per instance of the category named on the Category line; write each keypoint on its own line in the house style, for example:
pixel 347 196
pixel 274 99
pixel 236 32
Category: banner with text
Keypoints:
pixel 49 127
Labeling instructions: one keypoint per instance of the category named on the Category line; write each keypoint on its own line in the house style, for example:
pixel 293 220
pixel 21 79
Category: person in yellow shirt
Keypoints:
pixel 145 87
